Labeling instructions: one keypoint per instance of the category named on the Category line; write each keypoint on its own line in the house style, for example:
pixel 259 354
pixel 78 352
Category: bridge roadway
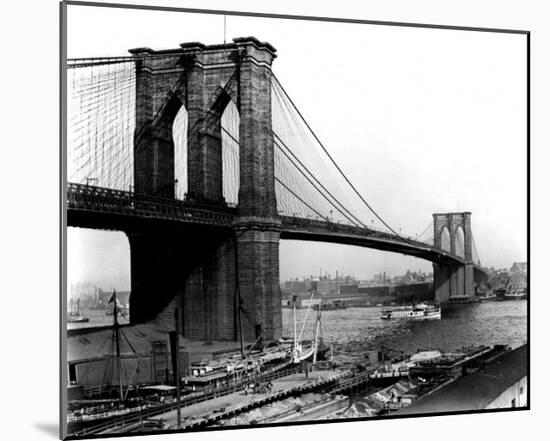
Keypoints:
pixel 102 208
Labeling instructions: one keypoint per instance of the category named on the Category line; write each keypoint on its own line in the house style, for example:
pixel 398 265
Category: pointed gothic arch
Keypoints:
pixel 445 239
pixel 230 121
pixel 179 136
pixel 458 238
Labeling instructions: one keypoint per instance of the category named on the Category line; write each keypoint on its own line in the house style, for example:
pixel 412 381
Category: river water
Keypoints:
pixel 352 331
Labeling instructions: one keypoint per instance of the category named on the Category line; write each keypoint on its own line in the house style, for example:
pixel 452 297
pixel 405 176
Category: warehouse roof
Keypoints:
pixel 474 391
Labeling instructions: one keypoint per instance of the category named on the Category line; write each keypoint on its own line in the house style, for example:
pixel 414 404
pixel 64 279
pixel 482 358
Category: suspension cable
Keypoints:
pixel 278 141
pixel 299 198
pixel 334 162
pixel 356 221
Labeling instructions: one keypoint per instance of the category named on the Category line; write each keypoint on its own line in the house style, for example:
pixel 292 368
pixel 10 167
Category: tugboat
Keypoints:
pixel 420 311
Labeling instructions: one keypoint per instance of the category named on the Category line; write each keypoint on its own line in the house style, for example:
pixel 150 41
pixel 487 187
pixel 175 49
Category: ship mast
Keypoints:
pixel 317 329
pixel 117 342
pixel 295 354
pixel 177 373
pixel 238 300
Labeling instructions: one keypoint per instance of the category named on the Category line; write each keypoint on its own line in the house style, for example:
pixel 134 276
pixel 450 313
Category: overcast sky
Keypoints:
pixel 420 120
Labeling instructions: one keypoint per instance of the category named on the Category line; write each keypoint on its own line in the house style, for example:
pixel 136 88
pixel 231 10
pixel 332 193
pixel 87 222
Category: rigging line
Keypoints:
pixel 128 341
pixel 356 223
pixel 316 180
pixel 299 198
pixel 307 313
pixel 336 165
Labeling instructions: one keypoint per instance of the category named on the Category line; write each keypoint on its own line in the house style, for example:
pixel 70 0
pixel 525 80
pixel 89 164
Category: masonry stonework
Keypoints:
pixel 454 282
pixel 200 273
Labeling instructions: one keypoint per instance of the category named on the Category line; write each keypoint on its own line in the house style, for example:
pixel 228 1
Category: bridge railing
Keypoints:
pixel 99 199
pixel 315 224
pixel 312 225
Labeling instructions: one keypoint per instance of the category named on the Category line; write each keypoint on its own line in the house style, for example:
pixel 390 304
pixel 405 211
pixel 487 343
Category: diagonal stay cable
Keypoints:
pixel 475 250
pixel 354 220
pixel 278 141
pixel 335 164
pixel 300 199
pixel 355 223
pixel 419 236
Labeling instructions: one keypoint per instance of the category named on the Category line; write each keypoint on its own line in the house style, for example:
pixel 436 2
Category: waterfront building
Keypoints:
pixel 502 383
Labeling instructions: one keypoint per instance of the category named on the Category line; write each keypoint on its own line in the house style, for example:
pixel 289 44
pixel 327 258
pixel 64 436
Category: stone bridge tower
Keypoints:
pixel 205 272
pixel 454 283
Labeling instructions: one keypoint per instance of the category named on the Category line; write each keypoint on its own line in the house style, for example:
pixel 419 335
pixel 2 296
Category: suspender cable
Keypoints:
pixel 356 221
pixel 334 162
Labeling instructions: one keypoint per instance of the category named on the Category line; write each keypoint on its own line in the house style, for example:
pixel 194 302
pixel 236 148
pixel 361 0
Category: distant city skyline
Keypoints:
pixel 112 258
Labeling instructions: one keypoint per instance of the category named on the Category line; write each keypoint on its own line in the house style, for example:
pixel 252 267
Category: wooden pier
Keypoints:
pixel 227 405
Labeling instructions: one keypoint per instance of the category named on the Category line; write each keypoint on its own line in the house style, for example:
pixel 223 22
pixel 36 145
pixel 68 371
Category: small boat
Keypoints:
pixel 420 311
pixel 488 297
pixel 76 317
pixel 485 294
pixel 514 294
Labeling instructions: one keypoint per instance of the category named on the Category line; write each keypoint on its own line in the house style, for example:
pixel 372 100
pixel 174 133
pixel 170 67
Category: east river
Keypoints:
pixel 354 330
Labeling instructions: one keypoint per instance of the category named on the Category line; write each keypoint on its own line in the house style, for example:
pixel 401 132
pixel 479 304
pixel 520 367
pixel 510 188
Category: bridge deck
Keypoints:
pixel 90 201
pixel 97 207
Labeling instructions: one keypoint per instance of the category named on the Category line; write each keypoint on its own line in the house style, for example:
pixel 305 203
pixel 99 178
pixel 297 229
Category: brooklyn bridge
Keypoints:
pixel 202 159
